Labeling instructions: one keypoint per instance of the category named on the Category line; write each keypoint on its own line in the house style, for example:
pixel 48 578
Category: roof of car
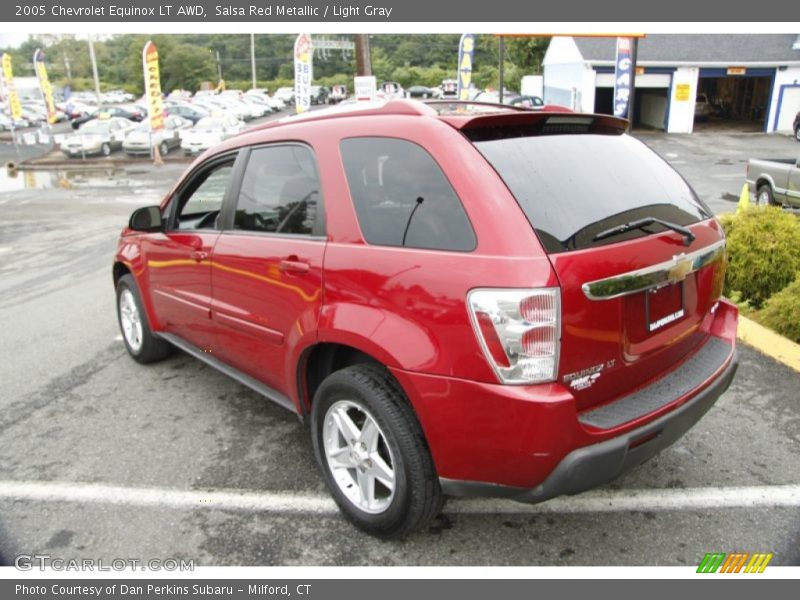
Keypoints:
pixel 459 115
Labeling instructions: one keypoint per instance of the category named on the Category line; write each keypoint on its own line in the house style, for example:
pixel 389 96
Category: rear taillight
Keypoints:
pixel 519 331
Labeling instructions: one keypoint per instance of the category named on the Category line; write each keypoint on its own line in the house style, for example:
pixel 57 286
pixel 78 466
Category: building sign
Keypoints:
pixel 303 72
pixel 365 87
pixel 152 86
pixel 14 107
pixel 682 92
pixel 44 85
pixel 623 77
pixel 737 71
pixel 466 50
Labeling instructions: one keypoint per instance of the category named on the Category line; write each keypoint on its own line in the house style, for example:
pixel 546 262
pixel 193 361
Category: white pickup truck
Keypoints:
pixel 774 181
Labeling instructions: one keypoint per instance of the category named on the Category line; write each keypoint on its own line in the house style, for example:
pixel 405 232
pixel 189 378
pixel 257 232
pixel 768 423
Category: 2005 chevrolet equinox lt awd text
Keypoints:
pixel 460 299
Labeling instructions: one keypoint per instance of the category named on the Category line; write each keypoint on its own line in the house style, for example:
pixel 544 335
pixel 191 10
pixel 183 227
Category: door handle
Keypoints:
pixel 199 255
pixel 293 266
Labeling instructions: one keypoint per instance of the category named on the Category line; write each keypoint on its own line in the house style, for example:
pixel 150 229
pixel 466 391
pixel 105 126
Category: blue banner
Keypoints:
pixel 466 50
pixel 623 76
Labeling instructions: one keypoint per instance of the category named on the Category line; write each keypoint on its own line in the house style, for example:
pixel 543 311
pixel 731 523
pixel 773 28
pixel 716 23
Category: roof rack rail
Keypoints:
pixel 479 104
pixel 394 106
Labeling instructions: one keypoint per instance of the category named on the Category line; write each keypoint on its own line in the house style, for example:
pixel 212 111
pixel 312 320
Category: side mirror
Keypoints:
pixel 147 218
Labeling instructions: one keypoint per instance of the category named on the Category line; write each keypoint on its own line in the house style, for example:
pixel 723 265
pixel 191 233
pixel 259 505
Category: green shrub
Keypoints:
pixel 763 253
pixel 727 220
pixel 782 311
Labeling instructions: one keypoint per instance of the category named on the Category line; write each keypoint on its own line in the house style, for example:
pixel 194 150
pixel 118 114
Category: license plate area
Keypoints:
pixel 663 306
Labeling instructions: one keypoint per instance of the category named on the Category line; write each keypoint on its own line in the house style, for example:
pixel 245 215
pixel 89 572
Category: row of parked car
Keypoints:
pixel 193 124
pixel 80 105
pixel 33 113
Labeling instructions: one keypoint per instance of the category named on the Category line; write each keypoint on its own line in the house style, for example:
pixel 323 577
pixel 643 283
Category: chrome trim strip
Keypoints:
pixel 655 276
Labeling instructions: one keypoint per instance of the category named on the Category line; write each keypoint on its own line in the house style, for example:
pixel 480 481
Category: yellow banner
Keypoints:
pixel 11 92
pixel 152 86
pixel 44 85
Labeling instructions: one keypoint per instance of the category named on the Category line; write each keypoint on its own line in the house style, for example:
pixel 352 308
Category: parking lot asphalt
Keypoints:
pixel 715 163
pixel 105 458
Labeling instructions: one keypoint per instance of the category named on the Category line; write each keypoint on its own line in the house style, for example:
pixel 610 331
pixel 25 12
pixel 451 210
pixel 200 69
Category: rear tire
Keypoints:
pixel 373 453
pixel 163 148
pixel 139 340
pixel 764 196
pixel 797 133
pixel 105 149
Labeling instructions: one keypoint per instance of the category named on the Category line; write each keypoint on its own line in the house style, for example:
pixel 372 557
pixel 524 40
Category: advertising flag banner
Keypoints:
pixel 623 77
pixel 44 85
pixel 14 107
pixel 466 50
pixel 152 86
pixel 303 72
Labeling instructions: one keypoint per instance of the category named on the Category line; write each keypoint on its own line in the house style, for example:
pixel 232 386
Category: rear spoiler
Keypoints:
pixel 545 122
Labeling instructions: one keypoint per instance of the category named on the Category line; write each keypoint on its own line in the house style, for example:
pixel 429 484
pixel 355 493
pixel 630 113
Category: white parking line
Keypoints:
pixel 287 502
pixel 278 502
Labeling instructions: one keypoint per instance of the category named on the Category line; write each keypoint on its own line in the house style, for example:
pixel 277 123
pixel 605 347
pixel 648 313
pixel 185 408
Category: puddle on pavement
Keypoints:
pixel 69 179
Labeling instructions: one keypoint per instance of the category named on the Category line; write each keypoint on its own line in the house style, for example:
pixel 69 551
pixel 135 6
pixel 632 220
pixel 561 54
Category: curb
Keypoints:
pixel 770 343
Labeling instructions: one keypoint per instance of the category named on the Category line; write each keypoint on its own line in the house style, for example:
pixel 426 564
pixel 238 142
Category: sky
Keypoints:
pixel 12 40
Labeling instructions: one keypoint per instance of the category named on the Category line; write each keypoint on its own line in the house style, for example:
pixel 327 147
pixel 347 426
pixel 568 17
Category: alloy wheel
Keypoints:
pixel 359 456
pixel 130 320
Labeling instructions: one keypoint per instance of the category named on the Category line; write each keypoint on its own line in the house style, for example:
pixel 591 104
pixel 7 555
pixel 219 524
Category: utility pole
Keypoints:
pixel 253 57
pixel 94 71
pixel 363 60
pixel 67 67
pixel 219 68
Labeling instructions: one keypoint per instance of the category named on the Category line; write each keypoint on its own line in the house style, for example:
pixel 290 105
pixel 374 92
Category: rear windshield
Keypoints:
pixel 573 187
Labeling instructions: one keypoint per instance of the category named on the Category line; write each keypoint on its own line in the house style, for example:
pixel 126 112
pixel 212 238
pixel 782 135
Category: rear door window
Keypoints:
pixel 402 197
pixel 572 187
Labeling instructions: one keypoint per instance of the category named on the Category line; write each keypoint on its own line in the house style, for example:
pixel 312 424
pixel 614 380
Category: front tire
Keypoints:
pixel 797 133
pixel 372 452
pixel 163 148
pixel 105 149
pixel 139 340
pixel 764 196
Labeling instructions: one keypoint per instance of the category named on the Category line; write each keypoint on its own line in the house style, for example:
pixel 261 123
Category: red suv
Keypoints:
pixel 460 299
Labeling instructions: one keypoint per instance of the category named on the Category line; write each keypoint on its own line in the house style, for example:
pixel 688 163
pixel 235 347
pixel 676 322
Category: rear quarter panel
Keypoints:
pixel 404 306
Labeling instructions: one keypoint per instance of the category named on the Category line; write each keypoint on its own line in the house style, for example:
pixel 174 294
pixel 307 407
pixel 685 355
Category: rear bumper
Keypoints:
pixel 598 464
pixel 531 443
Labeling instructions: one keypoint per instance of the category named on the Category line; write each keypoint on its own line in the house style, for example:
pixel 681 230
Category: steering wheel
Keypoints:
pixel 208 220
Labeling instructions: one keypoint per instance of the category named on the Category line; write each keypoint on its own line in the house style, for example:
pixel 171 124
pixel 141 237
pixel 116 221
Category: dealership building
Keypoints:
pixel 750 82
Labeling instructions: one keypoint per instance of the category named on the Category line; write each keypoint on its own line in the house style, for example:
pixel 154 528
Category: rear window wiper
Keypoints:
pixel 688 236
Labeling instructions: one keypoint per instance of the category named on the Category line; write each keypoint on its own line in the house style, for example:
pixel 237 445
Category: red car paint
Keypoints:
pixel 262 304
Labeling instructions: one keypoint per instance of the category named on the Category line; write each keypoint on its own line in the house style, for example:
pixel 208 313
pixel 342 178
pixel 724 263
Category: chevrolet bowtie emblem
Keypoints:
pixel 683 266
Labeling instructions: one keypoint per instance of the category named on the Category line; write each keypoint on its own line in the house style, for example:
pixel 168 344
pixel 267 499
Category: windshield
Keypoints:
pixel 572 187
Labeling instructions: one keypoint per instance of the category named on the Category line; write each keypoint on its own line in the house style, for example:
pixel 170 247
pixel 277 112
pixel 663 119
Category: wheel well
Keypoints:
pixel 119 271
pixel 322 360
pixel 762 182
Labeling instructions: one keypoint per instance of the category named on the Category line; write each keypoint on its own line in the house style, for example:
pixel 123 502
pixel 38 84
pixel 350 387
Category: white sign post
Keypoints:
pixel 366 88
